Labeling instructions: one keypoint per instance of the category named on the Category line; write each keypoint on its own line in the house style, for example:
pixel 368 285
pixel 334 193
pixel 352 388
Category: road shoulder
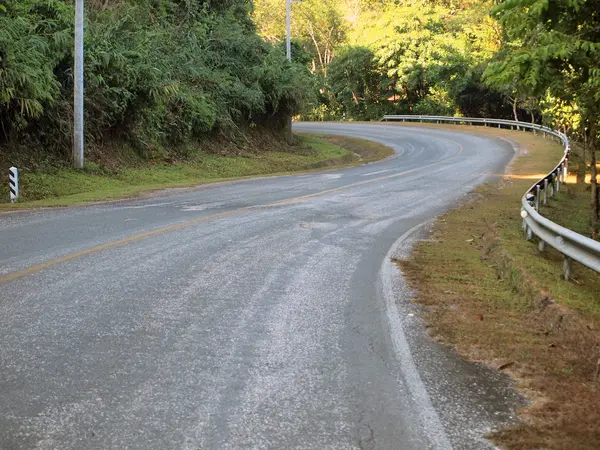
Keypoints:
pixel 491 296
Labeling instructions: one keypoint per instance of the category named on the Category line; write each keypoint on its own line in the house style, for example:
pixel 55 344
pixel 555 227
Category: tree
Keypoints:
pixel 426 46
pixel 554 46
pixel 355 80
pixel 317 24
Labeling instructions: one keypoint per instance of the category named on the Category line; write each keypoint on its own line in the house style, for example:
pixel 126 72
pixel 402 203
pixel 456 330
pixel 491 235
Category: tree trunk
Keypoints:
pixel 314 39
pixel 532 118
pixel 594 199
pixel 585 145
pixel 515 109
pixel 593 181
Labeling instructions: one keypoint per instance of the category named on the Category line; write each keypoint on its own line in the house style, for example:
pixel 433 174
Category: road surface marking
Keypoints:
pixel 428 416
pixel 151 205
pixel 374 173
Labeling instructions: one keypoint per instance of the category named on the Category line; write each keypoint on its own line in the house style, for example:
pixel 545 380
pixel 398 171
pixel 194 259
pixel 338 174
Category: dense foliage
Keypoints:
pixel 550 62
pixel 158 72
pixel 444 56
pixel 414 56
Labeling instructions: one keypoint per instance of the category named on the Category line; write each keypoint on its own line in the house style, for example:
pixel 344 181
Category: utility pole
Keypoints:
pixel 288 51
pixel 288 28
pixel 78 136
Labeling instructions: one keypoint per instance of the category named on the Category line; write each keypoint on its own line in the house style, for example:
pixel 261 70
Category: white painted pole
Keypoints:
pixel 13 178
pixel 288 29
pixel 288 52
pixel 78 136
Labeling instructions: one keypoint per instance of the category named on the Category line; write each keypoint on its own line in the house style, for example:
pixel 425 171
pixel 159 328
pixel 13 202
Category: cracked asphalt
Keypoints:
pixel 262 313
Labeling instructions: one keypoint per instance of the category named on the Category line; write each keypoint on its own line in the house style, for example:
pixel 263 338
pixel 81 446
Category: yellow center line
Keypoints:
pixel 53 262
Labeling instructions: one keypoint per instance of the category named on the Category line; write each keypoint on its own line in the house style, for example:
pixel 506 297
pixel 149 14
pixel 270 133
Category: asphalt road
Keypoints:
pixel 262 313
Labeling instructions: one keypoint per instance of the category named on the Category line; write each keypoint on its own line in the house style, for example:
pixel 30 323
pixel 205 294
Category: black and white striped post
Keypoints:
pixel 13 176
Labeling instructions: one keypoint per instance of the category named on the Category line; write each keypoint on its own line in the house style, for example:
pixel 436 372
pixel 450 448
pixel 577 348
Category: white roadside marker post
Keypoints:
pixel 13 177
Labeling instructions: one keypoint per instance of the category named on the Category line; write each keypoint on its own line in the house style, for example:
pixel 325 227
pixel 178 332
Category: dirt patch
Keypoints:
pixel 497 300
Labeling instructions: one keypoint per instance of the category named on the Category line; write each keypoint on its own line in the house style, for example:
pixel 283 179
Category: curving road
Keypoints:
pixel 262 313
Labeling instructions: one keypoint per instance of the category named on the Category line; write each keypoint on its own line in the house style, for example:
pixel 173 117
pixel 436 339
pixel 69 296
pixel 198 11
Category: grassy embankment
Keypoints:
pixel 497 300
pixel 104 179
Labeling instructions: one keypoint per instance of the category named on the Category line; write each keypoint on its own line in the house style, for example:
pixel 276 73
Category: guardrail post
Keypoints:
pixel 537 197
pixel 545 191
pixel 527 228
pixel 528 234
pixel 557 180
pixel 567 268
pixel 541 245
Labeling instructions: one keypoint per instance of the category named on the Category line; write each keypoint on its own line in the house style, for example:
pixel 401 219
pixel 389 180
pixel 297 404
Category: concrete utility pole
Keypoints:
pixel 78 137
pixel 288 28
pixel 288 51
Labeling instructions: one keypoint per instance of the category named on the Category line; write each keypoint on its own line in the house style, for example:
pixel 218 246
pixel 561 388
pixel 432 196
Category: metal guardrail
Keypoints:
pixel 571 245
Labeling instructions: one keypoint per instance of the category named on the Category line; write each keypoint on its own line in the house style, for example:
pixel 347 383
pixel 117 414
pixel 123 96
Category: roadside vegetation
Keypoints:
pixel 159 75
pixel 261 154
pixel 496 299
pixel 372 57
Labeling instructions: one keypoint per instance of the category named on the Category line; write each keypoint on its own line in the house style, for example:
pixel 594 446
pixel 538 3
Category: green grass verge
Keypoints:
pixel 64 187
pixel 497 299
